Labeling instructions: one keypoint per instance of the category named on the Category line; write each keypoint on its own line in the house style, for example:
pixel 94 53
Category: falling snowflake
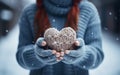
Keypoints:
pixel 117 39
pixel 92 33
pixel 110 13
pixel 84 66
pixel 53 20
pixel 54 43
pixel 7 31
pixel 32 64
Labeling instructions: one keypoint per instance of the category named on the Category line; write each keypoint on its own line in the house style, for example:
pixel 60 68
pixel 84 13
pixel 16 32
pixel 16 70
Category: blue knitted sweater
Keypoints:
pixel 89 55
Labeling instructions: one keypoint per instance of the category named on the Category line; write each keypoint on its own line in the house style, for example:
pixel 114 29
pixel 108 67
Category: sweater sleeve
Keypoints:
pixel 26 55
pixel 90 55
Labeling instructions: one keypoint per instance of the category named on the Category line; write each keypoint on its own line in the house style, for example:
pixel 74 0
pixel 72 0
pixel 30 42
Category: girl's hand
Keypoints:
pixel 59 55
pixel 77 43
pixel 43 43
pixel 67 51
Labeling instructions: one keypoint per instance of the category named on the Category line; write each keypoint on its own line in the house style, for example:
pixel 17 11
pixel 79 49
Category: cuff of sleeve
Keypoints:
pixel 77 53
pixel 87 61
pixel 29 59
pixel 74 56
pixel 41 52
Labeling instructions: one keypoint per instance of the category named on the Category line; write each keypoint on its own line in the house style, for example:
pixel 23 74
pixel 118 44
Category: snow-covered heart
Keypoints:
pixel 60 40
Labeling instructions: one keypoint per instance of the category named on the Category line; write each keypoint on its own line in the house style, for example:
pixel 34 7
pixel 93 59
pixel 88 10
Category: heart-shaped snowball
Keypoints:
pixel 60 40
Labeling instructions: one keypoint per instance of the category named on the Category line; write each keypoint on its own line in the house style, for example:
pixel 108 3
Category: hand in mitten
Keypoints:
pixel 75 53
pixel 61 54
pixel 41 42
pixel 45 55
pixel 72 55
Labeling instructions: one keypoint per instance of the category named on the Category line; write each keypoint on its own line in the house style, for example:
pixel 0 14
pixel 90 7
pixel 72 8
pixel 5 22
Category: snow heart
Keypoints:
pixel 60 40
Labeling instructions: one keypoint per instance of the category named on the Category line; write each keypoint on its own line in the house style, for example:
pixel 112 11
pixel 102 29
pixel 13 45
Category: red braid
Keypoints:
pixel 41 22
pixel 72 18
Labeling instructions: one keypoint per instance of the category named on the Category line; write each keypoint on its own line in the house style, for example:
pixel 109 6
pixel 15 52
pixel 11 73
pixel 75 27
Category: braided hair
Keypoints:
pixel 41 21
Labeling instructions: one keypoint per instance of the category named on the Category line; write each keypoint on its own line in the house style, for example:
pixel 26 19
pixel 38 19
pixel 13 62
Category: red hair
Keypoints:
pixel 41 22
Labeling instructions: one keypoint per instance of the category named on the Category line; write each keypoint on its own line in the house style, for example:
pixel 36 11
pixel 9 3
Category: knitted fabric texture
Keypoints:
pixel 89 32
pixel 60 40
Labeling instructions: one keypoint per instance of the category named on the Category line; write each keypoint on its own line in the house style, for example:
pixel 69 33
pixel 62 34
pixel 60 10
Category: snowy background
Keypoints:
pixel 9 65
